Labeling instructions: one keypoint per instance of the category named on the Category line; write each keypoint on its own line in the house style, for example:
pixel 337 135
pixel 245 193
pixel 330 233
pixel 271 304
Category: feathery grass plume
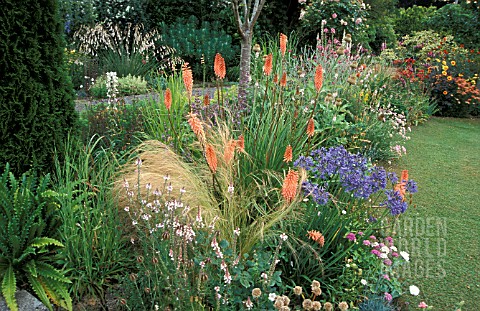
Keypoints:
pixel 283 81
pixel 219 66
pixel 168 99
pixel 268 65
pixel 310 127
pixel 290 184
pixel 283 43
pixel 206 100
pixel 196 124
pixel 211 157
pixel 229 151
pixel 316 236
pixel 288 155
pixel 318 77
pixel 241 143
pixel 187 79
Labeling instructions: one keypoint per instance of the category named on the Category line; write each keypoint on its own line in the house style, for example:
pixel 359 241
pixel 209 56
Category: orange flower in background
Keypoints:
pixel 283 81
pixel 187 79
pixel 219 66
pixel 445 92
pixel 168 99
pixel 316 236
pixel 275 78
pixel 241 143
pixel 289 188
pixel 288 155
pixel 401 187
pixel 268 65
pixel 211 157
pixel 195 124
pixel 283 43
pixel 206 100
pixel 229 151
pixel 310 127
pixel 318 77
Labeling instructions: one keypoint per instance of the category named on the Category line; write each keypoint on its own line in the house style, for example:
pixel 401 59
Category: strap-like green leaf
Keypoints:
pixel 41 242
pixel 38 289
pixel 31 268
pixel 57 292
pixel 9 287
pixel 46 270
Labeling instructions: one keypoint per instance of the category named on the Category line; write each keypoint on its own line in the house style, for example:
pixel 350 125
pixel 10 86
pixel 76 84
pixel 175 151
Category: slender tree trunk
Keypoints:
pixel 246 15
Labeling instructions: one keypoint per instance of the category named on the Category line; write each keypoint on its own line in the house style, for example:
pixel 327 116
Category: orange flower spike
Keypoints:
pixel 229 151
pixel 241 143
pixel 310 127
pixel 318 78
pixel 289 188
pixel 283 43
pixel 206 100
pixel 283 81
pixel 211 158
pixel 195 124
pixel 316 236
pixel 188 79
pixel 268 65
pixel 219 66
pixel 288 156
pixel 168 99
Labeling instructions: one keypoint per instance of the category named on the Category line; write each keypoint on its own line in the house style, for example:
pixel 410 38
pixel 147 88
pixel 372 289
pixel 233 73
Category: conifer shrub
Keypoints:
pixel 36 97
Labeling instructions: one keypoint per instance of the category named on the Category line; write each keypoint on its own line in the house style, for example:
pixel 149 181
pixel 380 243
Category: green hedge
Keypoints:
pixel 36 97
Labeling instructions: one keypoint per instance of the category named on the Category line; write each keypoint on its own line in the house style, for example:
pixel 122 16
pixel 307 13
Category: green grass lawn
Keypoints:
pixel 442 232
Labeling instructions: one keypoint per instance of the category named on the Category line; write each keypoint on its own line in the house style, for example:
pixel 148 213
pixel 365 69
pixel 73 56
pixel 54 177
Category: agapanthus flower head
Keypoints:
pixel 268 65
pixel 283 43
pixel 290 183
pixel 288 155
pixel 318 81
pixel 168 99
pixel 219 66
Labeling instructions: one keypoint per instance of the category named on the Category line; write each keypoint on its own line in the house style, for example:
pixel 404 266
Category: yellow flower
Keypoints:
pixel 474 82
pixel 444 73
pixel 453 63
pixel 437 60
pixel 460 75
pixel 428 59
pixel 445 92
pixel 444 63
pixel 449 78
pixel 445 68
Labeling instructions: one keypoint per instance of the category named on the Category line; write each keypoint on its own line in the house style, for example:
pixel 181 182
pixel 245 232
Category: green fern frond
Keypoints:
pixel 9 287
pixel 38 289
pixel 31 268
pixel 48 271
pixel 41 242
pixel 28 251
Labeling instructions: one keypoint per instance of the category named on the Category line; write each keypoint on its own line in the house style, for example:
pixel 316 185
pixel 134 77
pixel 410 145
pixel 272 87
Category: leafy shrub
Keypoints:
pixel 412 19
pixel 197 43
pixel 36 97
pixel 29 222
pixel 127 85
pixel 458 21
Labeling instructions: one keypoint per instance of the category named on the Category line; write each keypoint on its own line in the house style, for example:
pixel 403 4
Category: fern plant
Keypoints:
pixel 28 227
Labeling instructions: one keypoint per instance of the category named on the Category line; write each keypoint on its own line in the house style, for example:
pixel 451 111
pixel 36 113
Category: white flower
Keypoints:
pixel 364 282
pixel 272 296
pixel 283 236
pixel 385 249
pixel 393 248
pixel 383 256
pixel 344 212
pixel 414 290
pixel 405 256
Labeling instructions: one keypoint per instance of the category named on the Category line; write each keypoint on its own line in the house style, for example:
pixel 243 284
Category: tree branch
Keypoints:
pixel 256 12
pixel 237 17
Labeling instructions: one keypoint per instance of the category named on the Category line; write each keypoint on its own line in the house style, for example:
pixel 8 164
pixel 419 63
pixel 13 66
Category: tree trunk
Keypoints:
pixel 245 55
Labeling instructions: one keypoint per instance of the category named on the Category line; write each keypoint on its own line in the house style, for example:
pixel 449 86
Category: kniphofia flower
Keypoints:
pixel 241 143
pixel 229 151
pixel 206 100
pixel 283 81
pixel 289 188
pixel 283 43
pixel 310 127
pixel 288 156
pixel 168 98
pixel 268 65
pixel 187 79
pixel 318 77
pixel 195 124
pixel 316 236
pixel 211 157
pixel 219 66
pixel 401 187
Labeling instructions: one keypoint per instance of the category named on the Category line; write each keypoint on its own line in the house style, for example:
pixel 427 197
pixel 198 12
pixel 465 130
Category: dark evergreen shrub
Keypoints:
pixel 36 97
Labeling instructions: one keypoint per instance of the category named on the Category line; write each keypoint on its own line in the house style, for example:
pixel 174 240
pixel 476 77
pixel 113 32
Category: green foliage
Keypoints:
pixel 194 41
pixel 375 303
pixel 413 19
pixel 458 21
pixel 127 85
pixel 95 253
pixel 36 106
pixel 120 11
pixel 29 222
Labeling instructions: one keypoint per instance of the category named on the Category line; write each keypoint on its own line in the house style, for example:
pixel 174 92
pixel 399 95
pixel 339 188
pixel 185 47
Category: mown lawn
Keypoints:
pixel 442 233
